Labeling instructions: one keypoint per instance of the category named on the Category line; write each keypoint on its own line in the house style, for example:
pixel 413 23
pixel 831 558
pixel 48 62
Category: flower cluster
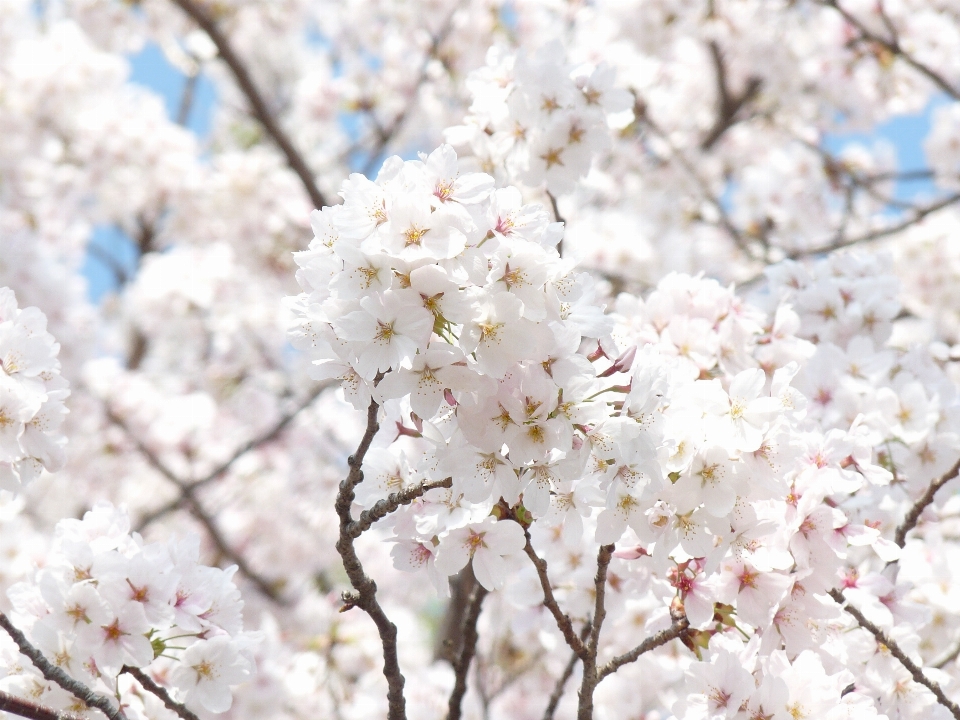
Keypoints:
pixel 31 395
pixel 105 600
pixel 535 119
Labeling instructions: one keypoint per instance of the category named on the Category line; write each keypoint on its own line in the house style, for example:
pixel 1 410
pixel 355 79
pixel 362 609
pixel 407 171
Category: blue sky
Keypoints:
pixel 150 68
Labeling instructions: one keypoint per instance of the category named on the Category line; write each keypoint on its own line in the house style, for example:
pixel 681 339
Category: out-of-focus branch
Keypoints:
pixel 550 602
pixel 558 218
pixel 948 658
pixel 468 647
pixel 590 676
pixel 739 239
pixel 219 471
pixel 257 102
pixel 892 45
pixel 365 589
pixel 56 675
pixel 150 686
pixel 915 670
pixel 386 134
pixel 728 105
pixel 561 683
pixel 186 98
pixel 839 242
pixel 24 708
pixel 913 516
pixel 190 500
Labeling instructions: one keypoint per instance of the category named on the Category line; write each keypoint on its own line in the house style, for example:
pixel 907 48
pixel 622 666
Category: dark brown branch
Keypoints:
pixel 892 45
pixel 915 670
pixel 150 686
pixel 24 708
pixel 728 106
pixel 390 503
pixel 550 602
pixel 468 647
pixel 676 630
pixel 257 102
pixel 56 675
pixel 561 683
pixel 365 595
pixel 913 516
pixel 590 677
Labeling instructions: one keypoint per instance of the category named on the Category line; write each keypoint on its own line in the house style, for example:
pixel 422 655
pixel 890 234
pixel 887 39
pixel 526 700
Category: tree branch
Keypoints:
pixel 913 516
pixel 24 708
pixel 839 242
pixel 390 503
pixel 365 595
pixel 558 218
pixel 676 630
pixel 257 102
pixel 150 686
pixel 56 675
pixel 269 436
pixel 948 658
pixel 386 134
pixel 468 647
pixel 188 498
pixel 915 670
pixel 590 677
pixel 558 689
pixel 550 601
pixel 728 106
pixel 892 45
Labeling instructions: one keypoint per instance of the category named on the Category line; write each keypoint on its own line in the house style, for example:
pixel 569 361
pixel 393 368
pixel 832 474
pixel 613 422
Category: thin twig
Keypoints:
pixel 223 467
pixel 550 602
pixel 728 106
pixel 33 711
pixel 590 677
pixel 913 516
pixel 468 647
pixel 386 134
pixel 110 262
pixel 948 658
pixel 390 503
pixel 676 630
pixel 150 686
pixel 892 45
pixel 365 589
pixel 839 242
pixel 190 499
pixel 186 99
pixel 561 683
pixel 257 102
pixel 55 674
pixel 915 670
pixel 558 218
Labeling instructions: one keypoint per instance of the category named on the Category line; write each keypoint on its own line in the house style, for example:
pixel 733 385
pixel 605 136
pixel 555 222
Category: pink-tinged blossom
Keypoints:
pixel 389 329
pixel 494 547
pixel 207 670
